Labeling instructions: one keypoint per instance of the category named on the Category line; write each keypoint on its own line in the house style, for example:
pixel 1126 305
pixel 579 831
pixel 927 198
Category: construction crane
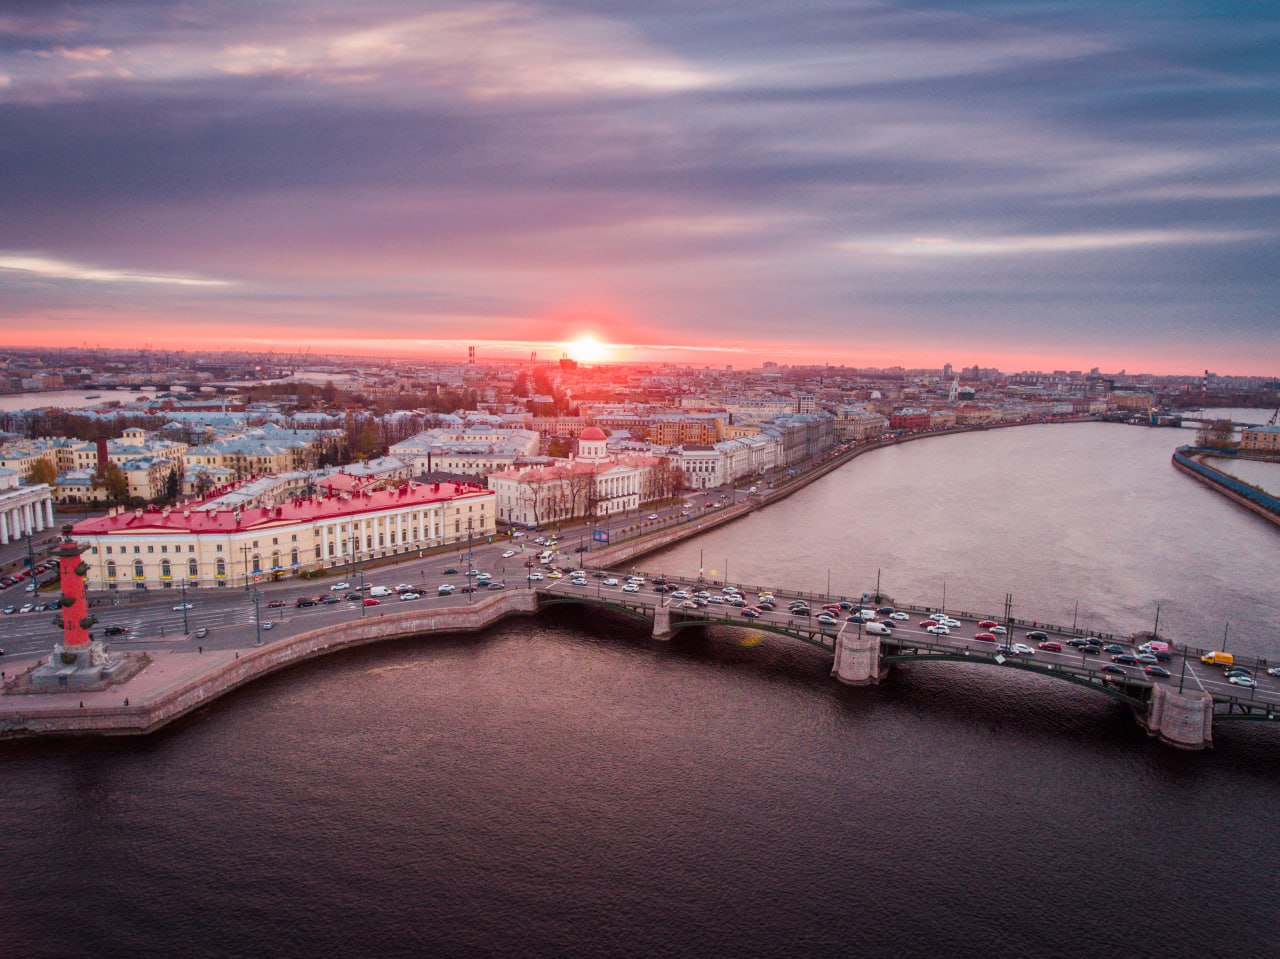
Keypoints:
pixel 1275 417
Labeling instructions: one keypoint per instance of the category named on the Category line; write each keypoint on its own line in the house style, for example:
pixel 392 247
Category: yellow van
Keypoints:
pixel 1218 659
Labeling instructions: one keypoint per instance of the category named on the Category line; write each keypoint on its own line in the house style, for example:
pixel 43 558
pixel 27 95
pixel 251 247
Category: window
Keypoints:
pixel 111 569
pixel 108 550
pixel 275 541
pixel 164 549
pixel 192 570
pixel 221 568
pixel 137 569
pixel 275 560
pixel 191 548
pixel 95 551
pixel 166 571
pixel 151 549
pixel 257 563
pixel 137 549
pixel 293 557
pixel 219 549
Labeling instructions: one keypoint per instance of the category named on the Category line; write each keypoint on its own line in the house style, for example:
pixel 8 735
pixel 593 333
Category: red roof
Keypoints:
pixel 154 520
pixel 592 433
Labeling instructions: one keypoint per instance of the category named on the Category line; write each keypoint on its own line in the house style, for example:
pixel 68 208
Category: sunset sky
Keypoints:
pixel 1016 184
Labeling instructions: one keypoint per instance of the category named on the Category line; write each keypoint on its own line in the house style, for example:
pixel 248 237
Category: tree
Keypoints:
pixel 43 471
pixel 114 482
pixel 1217 435
pixel 173 486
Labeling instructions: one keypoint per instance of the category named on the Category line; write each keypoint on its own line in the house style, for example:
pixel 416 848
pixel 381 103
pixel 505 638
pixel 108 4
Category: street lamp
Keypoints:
pixel 362 596
pixel 244 549
pixel 186 630
pixel 257 616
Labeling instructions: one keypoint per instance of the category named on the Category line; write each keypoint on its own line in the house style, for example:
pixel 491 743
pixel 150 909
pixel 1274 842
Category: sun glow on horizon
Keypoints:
pixel 587 349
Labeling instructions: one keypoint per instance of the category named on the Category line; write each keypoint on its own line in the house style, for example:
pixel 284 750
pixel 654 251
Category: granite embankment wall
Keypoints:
pixel 1254 500
pixel 258 661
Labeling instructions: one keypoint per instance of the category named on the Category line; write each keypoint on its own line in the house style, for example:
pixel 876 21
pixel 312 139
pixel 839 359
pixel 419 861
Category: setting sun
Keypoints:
pixel 587 349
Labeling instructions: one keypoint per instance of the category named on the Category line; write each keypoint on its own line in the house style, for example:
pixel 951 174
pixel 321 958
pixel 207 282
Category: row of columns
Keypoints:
pixel 25 519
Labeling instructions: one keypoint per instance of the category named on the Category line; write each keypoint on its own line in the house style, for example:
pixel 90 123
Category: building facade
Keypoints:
pixel 24 509
pixel 164 548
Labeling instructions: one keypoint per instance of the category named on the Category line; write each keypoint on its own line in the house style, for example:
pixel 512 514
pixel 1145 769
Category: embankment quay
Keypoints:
pixel 1180 709
pixel 1190 460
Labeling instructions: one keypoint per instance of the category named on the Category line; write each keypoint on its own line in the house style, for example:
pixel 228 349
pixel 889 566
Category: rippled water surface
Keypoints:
pixel 565 786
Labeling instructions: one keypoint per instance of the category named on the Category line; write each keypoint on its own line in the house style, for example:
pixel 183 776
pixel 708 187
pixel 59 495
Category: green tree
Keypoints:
pixel 114 482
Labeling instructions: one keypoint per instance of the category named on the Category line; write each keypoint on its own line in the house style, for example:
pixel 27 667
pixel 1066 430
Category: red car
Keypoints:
pixel 986 637
pixel 275 603
pixel 372 602
pixel 1051 646
pixel 928 622
pixel 988 623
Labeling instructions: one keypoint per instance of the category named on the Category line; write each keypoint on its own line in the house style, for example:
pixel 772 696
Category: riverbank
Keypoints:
pixel 1189 461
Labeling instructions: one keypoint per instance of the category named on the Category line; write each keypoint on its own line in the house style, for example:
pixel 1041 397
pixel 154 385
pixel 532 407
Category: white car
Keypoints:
pixel 631 588
pixel 445 589
pixel 900 617
pixel 181 606
pixel 653 516
pixel 269 624
pixel 1243 681
pixel 1022 649
pixel 535 575
pixel 339 587
pixel 609 582
pixel 998 630
pixel 1274 671
pixel 688 604
pixel 508 553
pixel 27 607
pixel 404 588
pixel 404 596
pixel 939 630
pixel 517 535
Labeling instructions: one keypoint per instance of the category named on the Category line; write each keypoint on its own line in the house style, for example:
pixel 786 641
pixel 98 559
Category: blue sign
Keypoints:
pixel 600 536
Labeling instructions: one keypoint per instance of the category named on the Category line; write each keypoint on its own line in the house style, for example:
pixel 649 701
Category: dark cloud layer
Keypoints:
pixel 920 177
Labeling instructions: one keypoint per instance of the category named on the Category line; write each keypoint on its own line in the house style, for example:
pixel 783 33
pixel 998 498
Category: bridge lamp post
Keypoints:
pixel 186 630
pixel 257 617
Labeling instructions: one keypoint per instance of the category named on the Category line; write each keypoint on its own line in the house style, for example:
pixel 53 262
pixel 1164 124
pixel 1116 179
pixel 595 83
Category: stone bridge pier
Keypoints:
pixel 857 661
pixel 1184 720
pixel 662 622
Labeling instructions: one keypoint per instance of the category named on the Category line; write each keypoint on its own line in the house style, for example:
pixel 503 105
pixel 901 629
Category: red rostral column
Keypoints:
pixel 75 608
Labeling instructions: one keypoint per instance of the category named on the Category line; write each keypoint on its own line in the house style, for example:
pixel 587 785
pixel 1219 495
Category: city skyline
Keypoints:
pixel 1012 185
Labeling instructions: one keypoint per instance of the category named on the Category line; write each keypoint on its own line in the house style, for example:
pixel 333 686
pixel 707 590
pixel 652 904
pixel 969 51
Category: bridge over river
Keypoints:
pixel 1180 708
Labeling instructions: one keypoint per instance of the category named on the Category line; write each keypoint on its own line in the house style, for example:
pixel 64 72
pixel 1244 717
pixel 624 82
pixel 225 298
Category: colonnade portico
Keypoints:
pixel 25 511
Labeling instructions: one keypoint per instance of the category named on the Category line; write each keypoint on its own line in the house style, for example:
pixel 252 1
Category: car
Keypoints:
pixel 680 594
pixel 339 587
pixel 445 589
pixel 938 630
pixel 1148 659
pixel 269 624
pixel 987 623
pixel 998 630
pixel 10 610
pixel 730 590
pixel 302 601
pixel 115 630
pixel 1037 635
pixel 1051 646
pixel 1247 681
pixel 929 623
pixel 831 607
pixel 275 603
pixel 1237 671
pixel 404 588
pixel 738 601
pixel 508 553
pixel 1114 648
pixel 750 613
pixel 517 535
pixel 1125 659
pixel 702 594
pixel 483 577
pixel 1077 643
pixel 535 575
pixel 181 606
pixel 1112 668
pixel 1163 656
pixel 1091 650
pixel 329 600
pixel 1156 671
pixel 653 516
pixel 504 585
pixel 631 588
pixel 352 596
pixel 31 587
pixel 899 617
pixel 1273 671
pixel 555 574
pixel 26 608
pixel 470 588
pixel 408 596
pixel 449 571
pixel 370 601
pixel 1021 649
pixel 986 637
pixel 473 572
pixel 886 611
pixel 611 581
pixel 687 604
pixel 826 619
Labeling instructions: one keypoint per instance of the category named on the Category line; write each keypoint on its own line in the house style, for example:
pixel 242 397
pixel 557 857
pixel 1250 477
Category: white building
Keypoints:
pixel 24 510
pixel 470 451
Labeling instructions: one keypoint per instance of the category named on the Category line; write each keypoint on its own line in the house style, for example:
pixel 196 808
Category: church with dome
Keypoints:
pixel 592 482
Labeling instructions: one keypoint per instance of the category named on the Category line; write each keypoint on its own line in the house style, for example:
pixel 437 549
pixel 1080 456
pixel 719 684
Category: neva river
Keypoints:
pixel 566 787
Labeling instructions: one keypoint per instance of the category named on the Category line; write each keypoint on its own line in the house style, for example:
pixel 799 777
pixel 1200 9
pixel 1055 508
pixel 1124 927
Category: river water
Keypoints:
pixel 564 786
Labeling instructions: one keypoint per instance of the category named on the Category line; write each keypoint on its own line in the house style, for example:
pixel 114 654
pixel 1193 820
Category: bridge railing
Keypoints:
pixel 1252 662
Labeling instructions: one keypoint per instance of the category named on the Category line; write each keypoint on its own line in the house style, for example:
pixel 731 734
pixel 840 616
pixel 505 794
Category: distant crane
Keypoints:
pixel 1275 417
